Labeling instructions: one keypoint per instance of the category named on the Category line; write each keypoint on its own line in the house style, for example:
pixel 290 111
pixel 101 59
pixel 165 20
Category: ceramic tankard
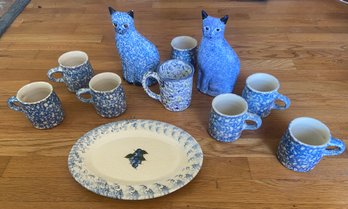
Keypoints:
pixel 107 95
pixel 305 142
pixel 75 69
pixel 228 117
pixel 261 93
pixel 39 103
pixel 175 82
pixel 184 48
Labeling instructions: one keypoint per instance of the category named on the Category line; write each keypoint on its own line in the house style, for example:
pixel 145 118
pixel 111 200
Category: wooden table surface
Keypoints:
pixel 303 43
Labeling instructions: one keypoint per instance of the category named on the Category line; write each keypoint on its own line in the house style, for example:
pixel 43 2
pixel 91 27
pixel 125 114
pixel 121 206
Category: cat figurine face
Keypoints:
pixel 213 27
pixel 122 21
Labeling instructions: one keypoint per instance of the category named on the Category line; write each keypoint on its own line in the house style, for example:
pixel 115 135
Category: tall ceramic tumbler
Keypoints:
pixel 39 103
pixel 106 94
pixel 261 93
pixel 304 144
pixel 184 48
pixel 175 83
pixel 75 70
pixel 228 118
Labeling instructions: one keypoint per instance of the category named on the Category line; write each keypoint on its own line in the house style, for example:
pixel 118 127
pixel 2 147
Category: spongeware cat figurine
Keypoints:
pixel 218 63
pixel 138 55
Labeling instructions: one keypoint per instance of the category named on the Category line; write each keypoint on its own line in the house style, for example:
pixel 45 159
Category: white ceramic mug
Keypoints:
pixel 228 117
pixel 305 142
pixel 107 94
pixel 184 48
pixel 39 103
pixel 261 93
pixel 75 69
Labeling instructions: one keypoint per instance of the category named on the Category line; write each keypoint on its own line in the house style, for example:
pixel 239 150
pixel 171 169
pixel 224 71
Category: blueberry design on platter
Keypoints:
pixel 78 166
pixel 136 158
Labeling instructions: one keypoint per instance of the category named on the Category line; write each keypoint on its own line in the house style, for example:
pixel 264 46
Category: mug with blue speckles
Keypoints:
pixel 175 79
pixel 75 69
pixel 39 103
pixel 107 95
pixel 184 48
pixel 261 93
pixel 228 118
pixel 305 142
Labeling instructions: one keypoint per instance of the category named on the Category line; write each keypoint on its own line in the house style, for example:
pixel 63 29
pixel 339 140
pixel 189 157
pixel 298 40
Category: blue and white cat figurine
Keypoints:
pixel 218 63
pixel 138 55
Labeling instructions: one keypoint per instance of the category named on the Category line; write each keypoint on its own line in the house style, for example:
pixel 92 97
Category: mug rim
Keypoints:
pixel 187 37
pixel 230 95
pixel 71 52
pixel 31 84
pixel 314 120
pixel 247 83
pixel 115 76
pixel 173 79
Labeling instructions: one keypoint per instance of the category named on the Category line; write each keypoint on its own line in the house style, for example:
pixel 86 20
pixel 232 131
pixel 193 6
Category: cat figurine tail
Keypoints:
pixel 138 55
pixel 218 63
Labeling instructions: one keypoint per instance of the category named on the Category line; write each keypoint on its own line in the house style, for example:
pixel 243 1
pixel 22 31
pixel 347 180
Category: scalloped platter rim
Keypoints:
pixel 135 159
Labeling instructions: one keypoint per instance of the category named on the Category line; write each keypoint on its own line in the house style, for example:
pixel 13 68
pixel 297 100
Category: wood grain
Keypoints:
pixel 3 164
pixel 303 43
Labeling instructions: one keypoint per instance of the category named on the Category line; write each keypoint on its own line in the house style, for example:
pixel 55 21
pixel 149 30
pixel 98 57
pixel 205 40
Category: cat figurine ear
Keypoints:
pixel 111 10
pixel 204 15
pixel 131 13
pixel 224 19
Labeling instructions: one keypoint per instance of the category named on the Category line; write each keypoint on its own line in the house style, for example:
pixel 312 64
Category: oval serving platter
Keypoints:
pixel 135 159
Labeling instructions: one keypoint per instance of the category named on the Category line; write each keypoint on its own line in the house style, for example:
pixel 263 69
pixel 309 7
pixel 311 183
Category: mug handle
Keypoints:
pixel 11 103
pixel 283 99
pixel 255 118
pixel 335 143
pixel 146 88
pixel 53 71
pixel 84 91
